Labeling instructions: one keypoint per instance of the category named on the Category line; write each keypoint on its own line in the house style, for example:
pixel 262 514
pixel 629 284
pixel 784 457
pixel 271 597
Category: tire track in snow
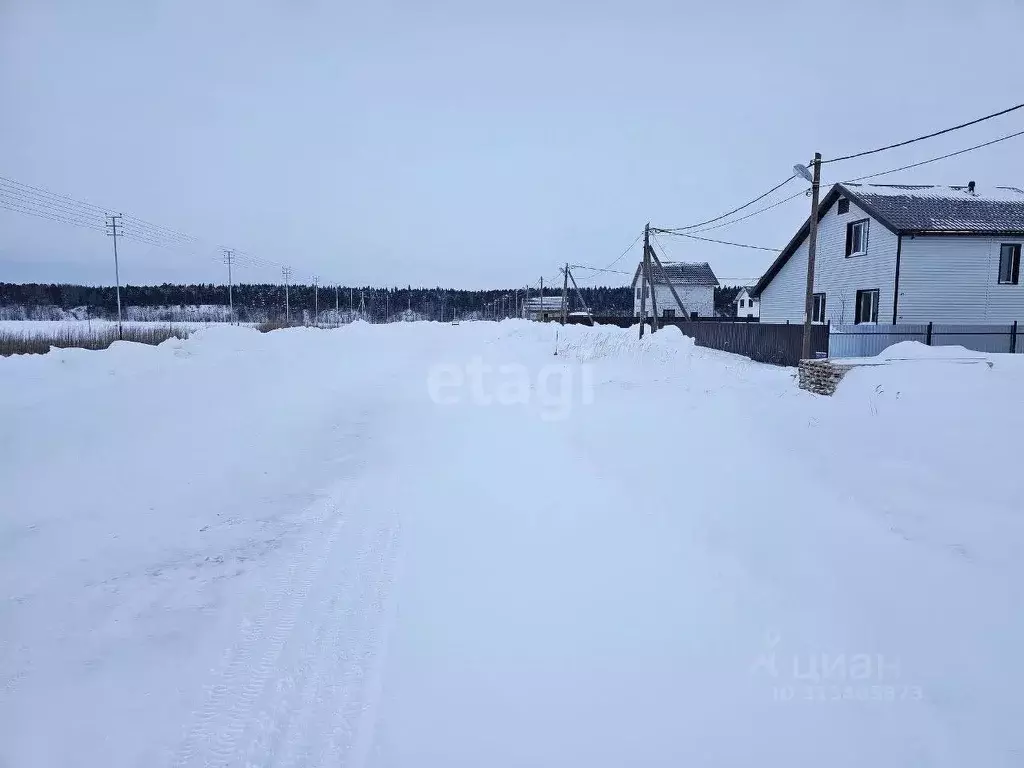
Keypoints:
pixel 227 706
pixel 334 697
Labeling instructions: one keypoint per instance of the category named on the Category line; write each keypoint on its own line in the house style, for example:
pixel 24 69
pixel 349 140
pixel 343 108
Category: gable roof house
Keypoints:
pixel 746 305
pixel 694 282
pixel 899 253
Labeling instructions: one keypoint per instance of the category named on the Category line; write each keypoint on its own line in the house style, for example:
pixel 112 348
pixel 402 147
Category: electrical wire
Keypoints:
pixel 721 242
pixel 737 209
pixel 934 159
pixel 926 136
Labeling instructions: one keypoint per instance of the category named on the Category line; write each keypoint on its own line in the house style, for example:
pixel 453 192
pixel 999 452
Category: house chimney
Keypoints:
pixel 970 187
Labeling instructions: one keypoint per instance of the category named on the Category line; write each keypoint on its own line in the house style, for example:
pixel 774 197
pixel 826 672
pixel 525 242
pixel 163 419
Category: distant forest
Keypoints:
pixel 266 302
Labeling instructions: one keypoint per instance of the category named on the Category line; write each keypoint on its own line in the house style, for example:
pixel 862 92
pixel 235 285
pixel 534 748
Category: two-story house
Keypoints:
pixel 898 253
pixel 694 283
pixel 746 305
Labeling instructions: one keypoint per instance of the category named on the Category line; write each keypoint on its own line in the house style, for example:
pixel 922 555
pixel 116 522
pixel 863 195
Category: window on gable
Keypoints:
pixel 857 238
pixel 1009 263
pixel 867 307
pixel 741 303
pixel 818 312
pixel 639 290
pixel 844 206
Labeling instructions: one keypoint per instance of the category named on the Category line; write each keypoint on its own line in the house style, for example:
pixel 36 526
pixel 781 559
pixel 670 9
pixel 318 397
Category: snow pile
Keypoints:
pixel 281 549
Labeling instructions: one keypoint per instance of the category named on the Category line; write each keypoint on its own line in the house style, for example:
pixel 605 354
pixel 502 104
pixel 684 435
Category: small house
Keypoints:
pixel 746 305
pixel 693 282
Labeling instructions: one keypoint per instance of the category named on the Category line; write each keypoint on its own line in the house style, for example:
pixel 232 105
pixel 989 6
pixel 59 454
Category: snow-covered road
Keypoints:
pixel 434 545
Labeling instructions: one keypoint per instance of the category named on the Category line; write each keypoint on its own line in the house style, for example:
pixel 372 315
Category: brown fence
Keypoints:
pixel 775 343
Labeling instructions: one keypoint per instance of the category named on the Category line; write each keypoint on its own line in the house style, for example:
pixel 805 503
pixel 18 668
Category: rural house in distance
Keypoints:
pixel 900 253
pixel 695 283
pixel 746 305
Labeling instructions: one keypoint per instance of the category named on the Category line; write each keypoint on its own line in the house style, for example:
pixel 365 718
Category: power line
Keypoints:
pixel 713 240
pixel 760 197
pixel 926 136
pixel 940 157
pixel 628 249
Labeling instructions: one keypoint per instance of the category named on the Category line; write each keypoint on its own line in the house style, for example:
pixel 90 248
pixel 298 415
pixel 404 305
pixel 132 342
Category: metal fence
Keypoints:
pixel 869 340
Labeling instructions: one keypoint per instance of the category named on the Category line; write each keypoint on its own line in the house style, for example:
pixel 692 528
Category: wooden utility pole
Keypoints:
pixel 643 277
pixel 541 312
pixel 565 290
pixel 668 282
pixel 526 301
pixel 654 298
pixel 812 246
pixel 579 295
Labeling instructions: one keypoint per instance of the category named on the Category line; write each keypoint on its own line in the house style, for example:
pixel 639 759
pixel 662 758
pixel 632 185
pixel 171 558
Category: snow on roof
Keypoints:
pixel 682 273
pixel 927 208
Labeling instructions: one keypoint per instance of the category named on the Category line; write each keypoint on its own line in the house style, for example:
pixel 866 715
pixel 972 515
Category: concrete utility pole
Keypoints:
pixel 812 247
pixel 316 301
pixel 228 258
pixel 286 273
pixel 113 227
pixel 565 289
pixel 644 272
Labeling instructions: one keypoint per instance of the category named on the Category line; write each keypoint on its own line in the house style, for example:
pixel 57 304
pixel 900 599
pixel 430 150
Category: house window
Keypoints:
pixel 1009 263
pixel 867 307
pixel 741 303
pixel 844 206
pixel 639 289
pixel 857 238
pixel 668 313
pixel 818 312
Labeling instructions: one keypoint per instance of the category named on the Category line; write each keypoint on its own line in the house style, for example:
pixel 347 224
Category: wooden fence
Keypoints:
pixel 775 343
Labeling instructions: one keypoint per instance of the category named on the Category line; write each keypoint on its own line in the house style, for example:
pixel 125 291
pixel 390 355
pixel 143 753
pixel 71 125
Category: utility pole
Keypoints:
pixel 337 307
pixel 812 245
pixel 113 230
pixel 286 274
pixel 644 271
pixel 579 295
pixel 351 304
pixel 228 258
pixel 526 301
pixel 565 289
pixel 541 297
pixel 316 301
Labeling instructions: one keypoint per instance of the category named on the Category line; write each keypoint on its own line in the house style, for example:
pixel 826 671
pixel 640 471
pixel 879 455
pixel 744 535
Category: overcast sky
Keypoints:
pixel 473 144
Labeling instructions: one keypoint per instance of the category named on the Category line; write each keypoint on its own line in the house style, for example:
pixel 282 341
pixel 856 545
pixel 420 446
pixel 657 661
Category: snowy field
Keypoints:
pixel 434 545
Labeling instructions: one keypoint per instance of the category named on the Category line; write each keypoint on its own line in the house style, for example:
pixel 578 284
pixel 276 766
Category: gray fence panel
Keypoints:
pixel 869 340
pixel 980 338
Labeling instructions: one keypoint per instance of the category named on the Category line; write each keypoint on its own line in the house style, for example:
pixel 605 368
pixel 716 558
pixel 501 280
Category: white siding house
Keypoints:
pixel 904 254
pixel 747 305
pixel 694 283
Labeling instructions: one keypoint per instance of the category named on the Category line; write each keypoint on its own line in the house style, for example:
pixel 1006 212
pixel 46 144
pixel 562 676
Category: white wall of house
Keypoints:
pixel 699 299
pixel 948 279
pixel 837 276
pixel 746 306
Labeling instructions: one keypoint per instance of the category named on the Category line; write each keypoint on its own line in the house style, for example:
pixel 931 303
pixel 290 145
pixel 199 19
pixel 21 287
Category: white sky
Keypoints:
pixel 473 144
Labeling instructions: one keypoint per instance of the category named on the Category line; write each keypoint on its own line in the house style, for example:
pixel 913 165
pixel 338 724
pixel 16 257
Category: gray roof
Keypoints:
pixel 681 273
pixel 909 208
